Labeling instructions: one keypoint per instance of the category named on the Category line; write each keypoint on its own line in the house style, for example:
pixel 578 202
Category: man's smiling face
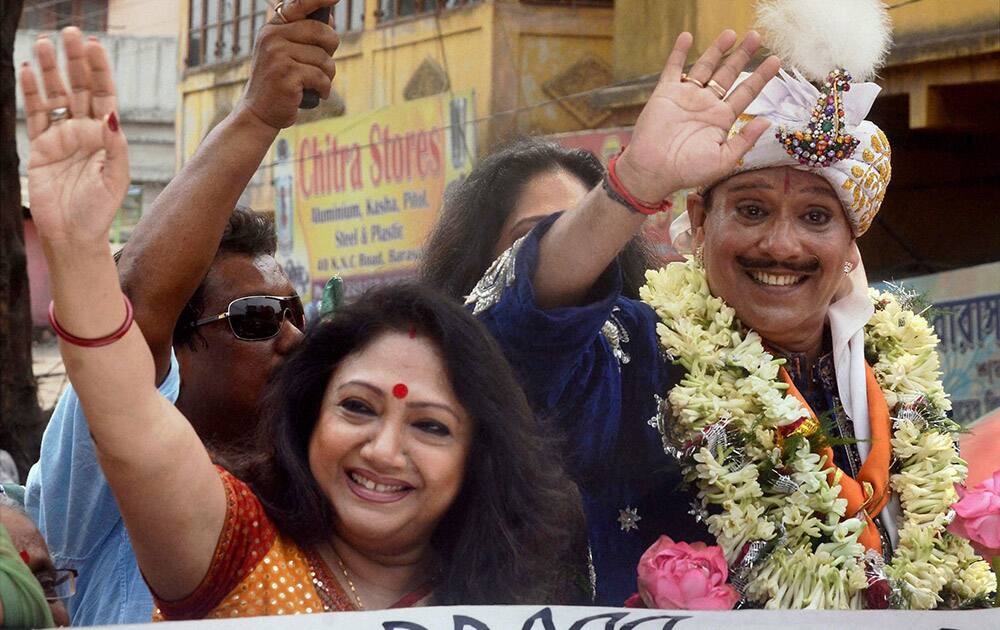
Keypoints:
pixel 775 244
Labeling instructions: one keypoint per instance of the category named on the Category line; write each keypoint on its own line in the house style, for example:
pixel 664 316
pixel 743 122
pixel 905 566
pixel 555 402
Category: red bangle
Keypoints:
pixel 92 343
pixel 618 192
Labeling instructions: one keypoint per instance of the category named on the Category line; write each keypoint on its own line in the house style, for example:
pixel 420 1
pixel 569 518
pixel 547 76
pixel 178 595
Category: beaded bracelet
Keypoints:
pixel 614 188
pixel 92 343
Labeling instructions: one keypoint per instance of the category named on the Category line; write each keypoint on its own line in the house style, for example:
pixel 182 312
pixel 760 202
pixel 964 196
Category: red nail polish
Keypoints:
pixel 113 122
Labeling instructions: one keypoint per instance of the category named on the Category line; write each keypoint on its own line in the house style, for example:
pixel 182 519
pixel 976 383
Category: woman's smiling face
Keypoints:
pixel 390 447
pixel 775 244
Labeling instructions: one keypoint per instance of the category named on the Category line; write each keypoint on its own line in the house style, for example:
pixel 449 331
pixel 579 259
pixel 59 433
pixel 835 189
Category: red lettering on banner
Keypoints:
pixel 422 142
pixel 374 137
pixel 398 158
pixel 437 164
pixel 303 159
pixel 332 170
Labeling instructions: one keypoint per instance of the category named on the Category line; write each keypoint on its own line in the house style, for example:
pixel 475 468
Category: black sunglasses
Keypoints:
pixel 259 317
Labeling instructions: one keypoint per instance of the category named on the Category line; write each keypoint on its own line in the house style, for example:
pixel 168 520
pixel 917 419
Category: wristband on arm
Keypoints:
pixel 614 188
pixel 92 343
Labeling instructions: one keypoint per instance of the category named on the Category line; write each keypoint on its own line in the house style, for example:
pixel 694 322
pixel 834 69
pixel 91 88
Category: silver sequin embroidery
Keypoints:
pixel 616 334
pixel 498 277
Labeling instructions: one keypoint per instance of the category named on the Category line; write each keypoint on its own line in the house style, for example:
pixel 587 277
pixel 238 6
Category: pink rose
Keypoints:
pixel 686 577
pixel 977 516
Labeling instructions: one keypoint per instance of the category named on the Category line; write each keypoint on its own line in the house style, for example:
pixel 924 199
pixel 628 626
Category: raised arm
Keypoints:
pixel 681 140
pixel 174 244
pixel 160 473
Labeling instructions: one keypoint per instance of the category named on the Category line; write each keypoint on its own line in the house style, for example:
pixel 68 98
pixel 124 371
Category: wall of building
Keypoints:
pixel 143 18
pixel 546 59
pixel 144 70
pixel 938 107
pixel 928 30
pixel 521 60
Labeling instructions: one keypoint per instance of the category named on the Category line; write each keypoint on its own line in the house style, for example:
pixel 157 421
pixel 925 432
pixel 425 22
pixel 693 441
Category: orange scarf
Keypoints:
pixel 870 492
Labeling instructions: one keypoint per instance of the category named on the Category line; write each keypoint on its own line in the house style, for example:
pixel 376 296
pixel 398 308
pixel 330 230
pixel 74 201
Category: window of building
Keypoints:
pixel 394 9
pixel 223 30
pixel 349 15
pixel 50 15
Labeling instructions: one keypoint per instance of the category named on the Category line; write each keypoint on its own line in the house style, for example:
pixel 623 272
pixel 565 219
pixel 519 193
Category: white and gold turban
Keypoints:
pixel 819 130
pixel 817 114
pixel 823 131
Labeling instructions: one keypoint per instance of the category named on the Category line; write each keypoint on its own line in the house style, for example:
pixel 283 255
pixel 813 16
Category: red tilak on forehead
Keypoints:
pixel 399 390
pixel 788 181
pixel 24 556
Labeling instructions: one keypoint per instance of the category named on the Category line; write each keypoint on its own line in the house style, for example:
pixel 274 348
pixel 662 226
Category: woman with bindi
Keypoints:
pixel 398 464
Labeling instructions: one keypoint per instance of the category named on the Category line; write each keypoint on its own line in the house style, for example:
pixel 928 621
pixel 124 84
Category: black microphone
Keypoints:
pixel 310 97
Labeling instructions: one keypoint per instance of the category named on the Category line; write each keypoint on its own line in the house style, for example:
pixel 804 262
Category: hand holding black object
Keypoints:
pixel 292 56
pixel 310 98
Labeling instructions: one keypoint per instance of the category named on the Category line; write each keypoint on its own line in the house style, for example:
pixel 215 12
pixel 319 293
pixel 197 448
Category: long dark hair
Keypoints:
pixel 507 537
pixel 460 248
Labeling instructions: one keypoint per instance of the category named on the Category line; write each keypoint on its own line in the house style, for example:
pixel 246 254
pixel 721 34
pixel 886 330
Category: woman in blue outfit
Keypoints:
pixel 591 361
pixel 506 195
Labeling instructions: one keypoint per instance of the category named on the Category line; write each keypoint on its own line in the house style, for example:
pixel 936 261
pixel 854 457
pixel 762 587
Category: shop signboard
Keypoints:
pixel 966 317
pixel 356 196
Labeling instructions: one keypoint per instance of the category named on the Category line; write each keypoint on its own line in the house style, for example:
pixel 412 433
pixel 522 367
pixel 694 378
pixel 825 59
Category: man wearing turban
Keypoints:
pixel 805 414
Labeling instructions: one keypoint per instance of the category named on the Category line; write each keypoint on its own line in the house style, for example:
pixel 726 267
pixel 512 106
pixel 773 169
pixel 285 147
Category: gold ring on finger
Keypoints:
pixel 281 14
pixel 715 87
pixel 686 78
pixel 58 114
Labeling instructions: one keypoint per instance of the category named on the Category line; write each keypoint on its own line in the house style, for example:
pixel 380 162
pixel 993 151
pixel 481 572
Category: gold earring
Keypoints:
pixel 848 266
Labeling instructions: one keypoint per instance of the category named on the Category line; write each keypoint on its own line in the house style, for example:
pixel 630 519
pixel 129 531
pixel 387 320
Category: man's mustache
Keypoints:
pixel 761 264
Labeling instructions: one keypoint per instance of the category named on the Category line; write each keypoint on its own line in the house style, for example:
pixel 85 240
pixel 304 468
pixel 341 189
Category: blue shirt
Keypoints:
pixel 70 500
pixel 594 370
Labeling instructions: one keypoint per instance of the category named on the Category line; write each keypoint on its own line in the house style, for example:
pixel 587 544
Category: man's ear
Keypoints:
pixel 696 210
pixel 696 213
pixel 854 257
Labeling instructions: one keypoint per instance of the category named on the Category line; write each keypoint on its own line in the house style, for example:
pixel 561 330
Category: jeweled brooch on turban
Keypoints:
pixel 823 141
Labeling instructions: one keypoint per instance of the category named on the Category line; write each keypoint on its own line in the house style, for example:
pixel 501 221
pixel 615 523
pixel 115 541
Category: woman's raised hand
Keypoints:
pixel 681 139
pixel 78 167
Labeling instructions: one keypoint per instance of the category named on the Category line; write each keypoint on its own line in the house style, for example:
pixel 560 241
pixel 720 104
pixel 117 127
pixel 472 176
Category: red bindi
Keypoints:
pixel 413 332
pixel 400 390
pixel 24 556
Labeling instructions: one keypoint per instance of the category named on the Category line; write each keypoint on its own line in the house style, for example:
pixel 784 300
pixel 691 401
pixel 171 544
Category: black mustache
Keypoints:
pixel 761 264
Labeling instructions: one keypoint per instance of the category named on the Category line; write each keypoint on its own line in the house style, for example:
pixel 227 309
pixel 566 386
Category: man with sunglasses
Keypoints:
pixel 218 315
pixel 240 322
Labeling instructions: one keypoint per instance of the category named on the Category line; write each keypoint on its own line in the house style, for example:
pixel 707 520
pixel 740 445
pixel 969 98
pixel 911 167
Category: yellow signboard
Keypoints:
pixel 356 196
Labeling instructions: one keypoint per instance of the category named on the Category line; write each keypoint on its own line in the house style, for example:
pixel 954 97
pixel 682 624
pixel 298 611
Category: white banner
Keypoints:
pixel 580 618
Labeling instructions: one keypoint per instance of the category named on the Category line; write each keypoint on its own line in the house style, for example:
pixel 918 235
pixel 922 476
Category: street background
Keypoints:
pixel 426 87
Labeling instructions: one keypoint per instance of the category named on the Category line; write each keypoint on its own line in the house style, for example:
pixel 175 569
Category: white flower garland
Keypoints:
pixel 727 411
